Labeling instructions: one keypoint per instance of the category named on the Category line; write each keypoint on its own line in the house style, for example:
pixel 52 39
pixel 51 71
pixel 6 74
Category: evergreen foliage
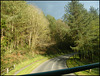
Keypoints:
pixel 83 28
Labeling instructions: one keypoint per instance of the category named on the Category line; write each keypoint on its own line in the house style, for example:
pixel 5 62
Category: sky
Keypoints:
pixel 56 8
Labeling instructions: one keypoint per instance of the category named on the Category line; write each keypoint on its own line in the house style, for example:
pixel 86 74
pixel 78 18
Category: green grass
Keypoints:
pixel 29 69
pixel 74 62
pixel 25 63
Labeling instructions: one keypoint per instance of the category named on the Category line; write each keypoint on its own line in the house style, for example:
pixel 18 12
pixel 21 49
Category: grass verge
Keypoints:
pixel 74 62
pixel 29 69
pixel 25 63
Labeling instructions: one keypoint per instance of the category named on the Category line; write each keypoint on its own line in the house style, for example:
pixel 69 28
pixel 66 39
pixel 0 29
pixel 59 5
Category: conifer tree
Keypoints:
pixel 83 27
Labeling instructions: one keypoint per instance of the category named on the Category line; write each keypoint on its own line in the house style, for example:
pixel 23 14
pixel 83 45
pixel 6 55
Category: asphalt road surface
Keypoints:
pixel 54 64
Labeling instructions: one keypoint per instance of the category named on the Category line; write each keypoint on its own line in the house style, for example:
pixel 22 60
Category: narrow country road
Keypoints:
pixel 54 64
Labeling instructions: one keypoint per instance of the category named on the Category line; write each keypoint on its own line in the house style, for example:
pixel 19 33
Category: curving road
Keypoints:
pixel 54 64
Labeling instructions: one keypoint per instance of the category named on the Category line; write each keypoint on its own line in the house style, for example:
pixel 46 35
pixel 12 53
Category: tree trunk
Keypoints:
pixel 30 39
pixel 10 48
pixel 33 43
pixel 80 55
pixel 2 33
pixel 12 28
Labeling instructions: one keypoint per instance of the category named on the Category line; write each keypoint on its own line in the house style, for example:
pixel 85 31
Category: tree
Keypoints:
pixel 82 29
pixel 59 33
pixel 52 26
pixel 23 27
pixel 73 17
pixel 62 35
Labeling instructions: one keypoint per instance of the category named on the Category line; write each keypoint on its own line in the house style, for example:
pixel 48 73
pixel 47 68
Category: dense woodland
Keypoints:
pixel 26 31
